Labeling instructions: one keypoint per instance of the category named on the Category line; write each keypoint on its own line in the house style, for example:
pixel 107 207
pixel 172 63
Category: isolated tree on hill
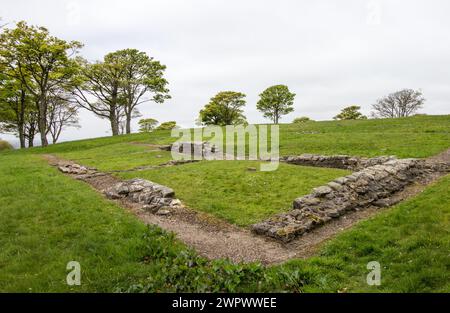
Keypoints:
pixel 276 101
pixel 142 81
pixel 40 61
pixel 147 125
pixel 402 103
pixel 167 125
pixel 350 113
pixel 225 108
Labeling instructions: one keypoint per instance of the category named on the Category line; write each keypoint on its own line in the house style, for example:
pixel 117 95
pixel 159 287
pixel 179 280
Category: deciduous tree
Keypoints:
pixel 142 81
pixel 97 89
pixel 167 125
pixel 402 103
pixel 350 113
pixel 225 108
pixel 62 113
pixel 41 62
pixel 276 101
pixel 147 125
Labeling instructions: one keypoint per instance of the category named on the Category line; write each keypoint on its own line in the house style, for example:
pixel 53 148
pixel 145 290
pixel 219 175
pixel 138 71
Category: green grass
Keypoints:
pixel 415 137
pixel 228 190
pixel 48 219
pixel 118 156
pixel 411 241
pixel 412 137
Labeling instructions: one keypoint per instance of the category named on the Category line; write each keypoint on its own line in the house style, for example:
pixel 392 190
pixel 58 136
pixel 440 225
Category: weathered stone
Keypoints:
pixel 336 161
pixel 152 195
pixel 367 187
pixel 335 186
pixel 322 190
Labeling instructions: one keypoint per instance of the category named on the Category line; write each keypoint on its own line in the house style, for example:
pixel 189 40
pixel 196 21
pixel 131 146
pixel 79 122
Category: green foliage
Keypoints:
pixel 141 80
pixel 40 62
pixel 147 125
pixel 228 190
pixel 225 108
pixel 167 125
pixel 302 119
pixel 4 145
pixel 350 113
pixel 122 81
pixel 276 101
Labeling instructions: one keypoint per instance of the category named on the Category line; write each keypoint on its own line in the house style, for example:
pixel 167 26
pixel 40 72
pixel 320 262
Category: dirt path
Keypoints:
pixel 214 238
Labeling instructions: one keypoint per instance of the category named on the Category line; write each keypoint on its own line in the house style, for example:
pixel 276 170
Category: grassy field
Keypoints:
pixel 228 190
pixel 412 137
pixel 48 219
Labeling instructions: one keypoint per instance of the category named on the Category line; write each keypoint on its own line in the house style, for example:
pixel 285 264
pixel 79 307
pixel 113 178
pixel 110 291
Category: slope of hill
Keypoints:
pixel 48 219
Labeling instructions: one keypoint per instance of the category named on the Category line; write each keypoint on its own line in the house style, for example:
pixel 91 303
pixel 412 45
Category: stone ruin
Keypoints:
pixel 371 186
pixel 195 150
pixel 76 169
pixel 336 161
pixel 373 183
pixel 156 198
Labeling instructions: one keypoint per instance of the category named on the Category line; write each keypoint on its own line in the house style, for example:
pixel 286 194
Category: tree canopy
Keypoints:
pixel 350 113
pixel 147 125
pixel 402 103
pixel 276 101
pixel 40 62
pixel 167 125
pixel 118 84
pixel 225 108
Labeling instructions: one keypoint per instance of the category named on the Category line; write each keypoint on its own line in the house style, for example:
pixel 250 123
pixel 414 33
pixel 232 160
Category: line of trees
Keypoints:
pixel 226 107
pixel 402 103
pixel 44 82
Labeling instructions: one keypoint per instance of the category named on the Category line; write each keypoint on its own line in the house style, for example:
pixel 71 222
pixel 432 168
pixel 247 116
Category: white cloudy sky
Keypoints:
pixel 330 53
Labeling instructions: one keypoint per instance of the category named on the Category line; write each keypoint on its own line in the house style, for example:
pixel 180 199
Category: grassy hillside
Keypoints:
pixel 48 219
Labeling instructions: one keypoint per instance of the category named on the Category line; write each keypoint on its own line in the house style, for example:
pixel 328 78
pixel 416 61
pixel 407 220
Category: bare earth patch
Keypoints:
pixel 214 238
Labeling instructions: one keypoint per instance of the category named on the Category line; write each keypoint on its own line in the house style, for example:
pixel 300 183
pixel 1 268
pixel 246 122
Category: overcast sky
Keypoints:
pixel 330 53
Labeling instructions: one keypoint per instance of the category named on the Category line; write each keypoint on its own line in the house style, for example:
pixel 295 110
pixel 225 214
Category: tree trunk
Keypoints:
pixel 30 141
pixel 42 120
pixel 114 122
pixel 128 127
pixel 21 137
pixel 21 120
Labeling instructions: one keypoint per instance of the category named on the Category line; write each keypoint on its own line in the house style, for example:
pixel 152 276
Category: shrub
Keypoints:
pixel 4 145
pixel 167 125
pixel 302 119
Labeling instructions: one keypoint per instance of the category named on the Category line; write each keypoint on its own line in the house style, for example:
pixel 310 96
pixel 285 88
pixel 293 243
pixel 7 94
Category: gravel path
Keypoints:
pixel 214 238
